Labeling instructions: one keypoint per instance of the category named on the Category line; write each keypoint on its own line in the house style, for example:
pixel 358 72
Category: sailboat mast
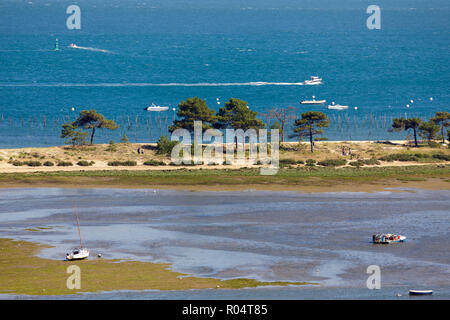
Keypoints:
pixel 78 225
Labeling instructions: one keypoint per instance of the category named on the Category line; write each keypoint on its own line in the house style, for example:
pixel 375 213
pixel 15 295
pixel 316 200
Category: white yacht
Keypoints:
pixel 313 81
pixel 154 107
pixel 334 106
pixel 313 101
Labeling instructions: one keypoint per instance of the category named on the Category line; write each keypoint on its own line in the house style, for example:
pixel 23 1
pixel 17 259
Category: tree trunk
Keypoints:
pixel 92 136
pixel 415 138
pixel 442 132
pixel 311 142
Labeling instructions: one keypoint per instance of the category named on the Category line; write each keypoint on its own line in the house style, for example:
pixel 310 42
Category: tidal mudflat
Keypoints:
pixel 268 236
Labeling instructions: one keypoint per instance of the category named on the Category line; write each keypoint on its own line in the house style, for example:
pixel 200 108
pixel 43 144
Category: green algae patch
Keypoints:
pixel 24 273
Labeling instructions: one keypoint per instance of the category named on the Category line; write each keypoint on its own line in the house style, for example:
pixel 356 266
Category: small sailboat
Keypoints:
pixel 78 253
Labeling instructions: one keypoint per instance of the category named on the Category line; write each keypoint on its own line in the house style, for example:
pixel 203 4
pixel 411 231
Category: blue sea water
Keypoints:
pixel 137 52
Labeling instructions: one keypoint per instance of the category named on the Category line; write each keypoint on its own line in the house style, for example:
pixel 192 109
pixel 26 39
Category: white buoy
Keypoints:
pixel 356 108
pixel 431 98
pixel 407 105
pixel 412 101
pixel 73 109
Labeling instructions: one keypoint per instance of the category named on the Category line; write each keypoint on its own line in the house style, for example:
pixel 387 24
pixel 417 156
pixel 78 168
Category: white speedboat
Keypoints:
pixel 334 106
pixel 73 45
pixel 81 253
pixel 154 107
pixel 313 81
pixel 313 101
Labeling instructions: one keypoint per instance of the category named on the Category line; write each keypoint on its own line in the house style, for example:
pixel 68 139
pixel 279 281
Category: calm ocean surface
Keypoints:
pixel 138 52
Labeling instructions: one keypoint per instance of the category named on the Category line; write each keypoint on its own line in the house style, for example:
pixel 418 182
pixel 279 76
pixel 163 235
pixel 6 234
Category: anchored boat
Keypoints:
pixel 154 107
pixel 386 238
pixel 334 106
pixel 313 101
pixel 78 253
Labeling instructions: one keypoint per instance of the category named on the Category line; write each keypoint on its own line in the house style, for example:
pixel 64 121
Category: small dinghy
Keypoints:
pixel 420 292
pixel 386 238
pixel 81 253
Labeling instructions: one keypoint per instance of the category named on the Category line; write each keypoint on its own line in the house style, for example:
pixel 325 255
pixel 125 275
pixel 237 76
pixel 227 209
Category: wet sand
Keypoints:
pixel 262 235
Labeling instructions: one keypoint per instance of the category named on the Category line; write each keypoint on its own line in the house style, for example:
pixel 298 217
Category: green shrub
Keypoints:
pixel 300 162
pixel 154 163
pixel 17 163
pixel 33 163
pixel 165 146
pixel 65 164
pixel 84 163
pixel 358 163
pixel 310 162
pixel 332 162
pixel 287 161
pixel 48 164
pixel 441 156
pixel 402 157
pixel 372 162
pixel 129 163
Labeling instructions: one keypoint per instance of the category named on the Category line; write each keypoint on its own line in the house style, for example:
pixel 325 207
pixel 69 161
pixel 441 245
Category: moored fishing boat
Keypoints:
pixel 386 238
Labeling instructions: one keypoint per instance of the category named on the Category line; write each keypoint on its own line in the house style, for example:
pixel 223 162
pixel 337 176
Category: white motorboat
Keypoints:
pixel 154 107
pixel 313 101
pixel 73 45
pixel 78 253
pixel 334 106
pixel 313 81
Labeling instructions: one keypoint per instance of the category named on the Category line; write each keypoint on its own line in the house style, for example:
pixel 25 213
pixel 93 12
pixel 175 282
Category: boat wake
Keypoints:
pixel 145 84
pixel 72 46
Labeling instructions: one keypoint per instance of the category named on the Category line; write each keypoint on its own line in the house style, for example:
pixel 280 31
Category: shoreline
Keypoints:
pixel 320 180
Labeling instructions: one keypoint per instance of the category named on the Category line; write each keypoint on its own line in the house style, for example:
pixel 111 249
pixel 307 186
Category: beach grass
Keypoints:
pixel 303 178
pixel 22 272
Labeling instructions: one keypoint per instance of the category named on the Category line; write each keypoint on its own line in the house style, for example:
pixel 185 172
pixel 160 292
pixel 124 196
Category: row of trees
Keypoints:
pixel 426 129
pixel 236 114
